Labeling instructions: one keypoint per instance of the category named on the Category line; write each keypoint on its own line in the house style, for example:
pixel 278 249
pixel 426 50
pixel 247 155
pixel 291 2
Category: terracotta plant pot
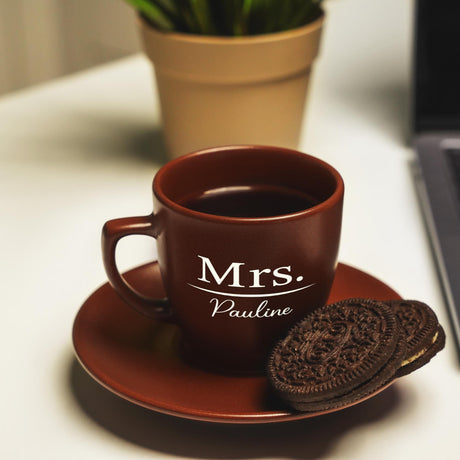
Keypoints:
pixel 232 90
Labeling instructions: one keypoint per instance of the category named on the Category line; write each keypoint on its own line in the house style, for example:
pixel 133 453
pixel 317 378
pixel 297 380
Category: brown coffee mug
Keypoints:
pixel 247 238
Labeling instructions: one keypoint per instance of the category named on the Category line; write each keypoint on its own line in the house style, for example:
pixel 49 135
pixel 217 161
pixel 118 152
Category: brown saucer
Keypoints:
pixel 137 358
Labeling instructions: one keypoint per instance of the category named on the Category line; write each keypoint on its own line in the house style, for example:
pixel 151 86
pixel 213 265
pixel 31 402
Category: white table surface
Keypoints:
pixel 80 150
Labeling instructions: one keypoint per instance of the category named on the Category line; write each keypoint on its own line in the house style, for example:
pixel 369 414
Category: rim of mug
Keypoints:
pixel 327 203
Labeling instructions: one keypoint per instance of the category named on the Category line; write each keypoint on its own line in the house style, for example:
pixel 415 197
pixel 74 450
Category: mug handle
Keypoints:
pixel 112 232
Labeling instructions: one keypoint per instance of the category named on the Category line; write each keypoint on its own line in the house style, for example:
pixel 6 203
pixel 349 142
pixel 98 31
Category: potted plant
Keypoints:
pixel 230 71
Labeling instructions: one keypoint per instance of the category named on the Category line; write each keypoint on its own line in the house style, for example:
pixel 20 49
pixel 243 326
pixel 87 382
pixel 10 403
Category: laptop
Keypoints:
pixel 436 127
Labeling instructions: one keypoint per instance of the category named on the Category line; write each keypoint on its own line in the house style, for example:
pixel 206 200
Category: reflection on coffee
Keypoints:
pixel 250 201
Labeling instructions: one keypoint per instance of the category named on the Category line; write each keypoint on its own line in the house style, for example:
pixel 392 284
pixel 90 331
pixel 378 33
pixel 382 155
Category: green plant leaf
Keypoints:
pixel 155 14
pixel 304 13
pixel 228 17
pixel 203 17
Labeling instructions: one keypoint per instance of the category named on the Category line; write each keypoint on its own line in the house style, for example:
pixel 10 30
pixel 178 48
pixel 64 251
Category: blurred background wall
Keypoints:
pixel 44 39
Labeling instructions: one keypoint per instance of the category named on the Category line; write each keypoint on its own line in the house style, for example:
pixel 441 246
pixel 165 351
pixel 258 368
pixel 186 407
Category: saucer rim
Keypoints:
pixel 230 418
pixel 257 417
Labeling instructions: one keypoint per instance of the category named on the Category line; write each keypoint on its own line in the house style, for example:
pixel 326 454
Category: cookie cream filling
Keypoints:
pixel 420 353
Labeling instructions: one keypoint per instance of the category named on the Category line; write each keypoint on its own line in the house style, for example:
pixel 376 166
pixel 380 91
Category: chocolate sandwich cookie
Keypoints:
pixel 335 351
pixel 425 336
pixel 371 386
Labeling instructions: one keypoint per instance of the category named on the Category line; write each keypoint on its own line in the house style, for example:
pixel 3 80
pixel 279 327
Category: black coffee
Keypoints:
pixel 250 201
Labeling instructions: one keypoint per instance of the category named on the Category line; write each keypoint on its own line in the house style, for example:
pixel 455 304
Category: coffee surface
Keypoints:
pixel 250 201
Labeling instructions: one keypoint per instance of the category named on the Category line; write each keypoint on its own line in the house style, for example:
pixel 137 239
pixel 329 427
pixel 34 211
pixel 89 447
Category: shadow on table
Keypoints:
pixel 118 139
pixel 309 438
pixel 93 139
pixel 385 105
